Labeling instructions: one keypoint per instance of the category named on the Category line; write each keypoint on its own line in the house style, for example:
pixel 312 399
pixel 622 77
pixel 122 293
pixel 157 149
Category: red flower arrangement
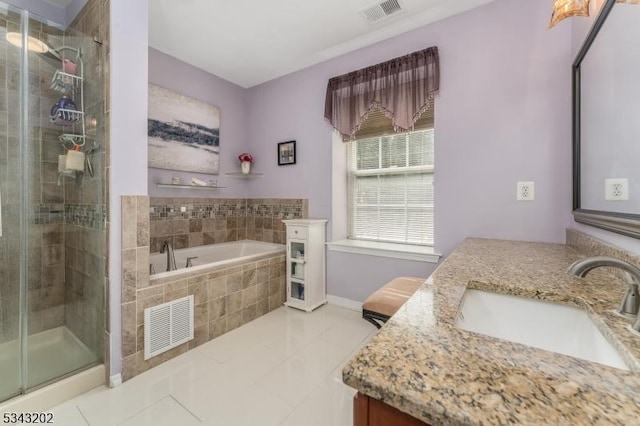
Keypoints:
pixel 245 156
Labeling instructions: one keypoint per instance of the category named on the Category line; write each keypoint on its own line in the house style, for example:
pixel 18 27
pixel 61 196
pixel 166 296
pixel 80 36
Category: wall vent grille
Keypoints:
pixel 380 10
pixel 167 325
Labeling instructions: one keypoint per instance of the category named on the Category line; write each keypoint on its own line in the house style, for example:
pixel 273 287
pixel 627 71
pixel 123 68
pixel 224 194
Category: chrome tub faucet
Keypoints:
pixel 171 258
pixel 631 302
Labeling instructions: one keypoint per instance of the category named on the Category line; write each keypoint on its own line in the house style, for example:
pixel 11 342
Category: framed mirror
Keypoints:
pixel 606 122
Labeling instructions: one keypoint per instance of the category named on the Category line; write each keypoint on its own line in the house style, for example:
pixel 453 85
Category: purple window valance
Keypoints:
pixel 401 87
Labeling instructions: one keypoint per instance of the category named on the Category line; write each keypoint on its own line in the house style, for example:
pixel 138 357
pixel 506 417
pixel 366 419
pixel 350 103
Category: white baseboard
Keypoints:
pixel 115 380
pixel 344 303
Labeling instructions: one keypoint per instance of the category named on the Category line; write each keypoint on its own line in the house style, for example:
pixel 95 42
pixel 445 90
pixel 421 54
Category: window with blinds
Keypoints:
pixel 391 185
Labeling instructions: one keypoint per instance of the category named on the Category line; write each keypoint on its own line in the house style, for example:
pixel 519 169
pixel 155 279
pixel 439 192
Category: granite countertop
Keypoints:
pixel 423 365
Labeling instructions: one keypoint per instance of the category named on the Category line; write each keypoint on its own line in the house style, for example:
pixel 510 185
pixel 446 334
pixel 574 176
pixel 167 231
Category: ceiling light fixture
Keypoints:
pixel 33 44
pixel 567 8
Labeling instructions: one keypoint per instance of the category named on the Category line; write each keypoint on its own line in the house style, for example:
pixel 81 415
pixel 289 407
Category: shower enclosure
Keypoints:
pixel 52 211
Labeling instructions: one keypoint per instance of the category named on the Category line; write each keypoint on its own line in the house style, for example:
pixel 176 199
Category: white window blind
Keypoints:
pixel 391 188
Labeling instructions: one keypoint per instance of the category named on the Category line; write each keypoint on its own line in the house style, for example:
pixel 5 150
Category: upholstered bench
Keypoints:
pixel 383 303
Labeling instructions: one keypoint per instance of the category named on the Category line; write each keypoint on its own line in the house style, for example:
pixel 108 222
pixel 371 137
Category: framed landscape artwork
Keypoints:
pixel 184 133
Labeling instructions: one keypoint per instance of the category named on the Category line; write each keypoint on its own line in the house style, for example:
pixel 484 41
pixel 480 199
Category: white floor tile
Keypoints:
pixel 300 374
pixel 182 370
pixel 350 334
pixel 251 366
pixel 220 405
pixel 68 415
pixel 281 340
pixel 231 345
pixel 309 326
pixel 292 381
pixel 166 412
pixel 330 404
pixel 324 354
pixel 283 368
pixel 345 313
pixel 113 406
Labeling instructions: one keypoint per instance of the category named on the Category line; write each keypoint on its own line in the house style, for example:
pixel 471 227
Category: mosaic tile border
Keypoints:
pixel 86 215
pixel 205 208
pixel 192 222
pixel 48 214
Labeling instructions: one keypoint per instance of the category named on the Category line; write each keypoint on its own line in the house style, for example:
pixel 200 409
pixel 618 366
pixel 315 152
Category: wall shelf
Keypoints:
pixel 170 185
pixel 245 176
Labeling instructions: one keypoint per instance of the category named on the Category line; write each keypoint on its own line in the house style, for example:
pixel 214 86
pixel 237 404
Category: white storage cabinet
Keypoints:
pixel 306 279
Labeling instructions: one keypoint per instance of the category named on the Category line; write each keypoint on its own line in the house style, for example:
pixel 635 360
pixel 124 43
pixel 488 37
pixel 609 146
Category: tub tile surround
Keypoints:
pixel 225 298
pixel 444 375
pixel 191 222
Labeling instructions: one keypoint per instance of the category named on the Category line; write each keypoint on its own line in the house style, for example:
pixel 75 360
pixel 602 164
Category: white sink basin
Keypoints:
pixel 559 328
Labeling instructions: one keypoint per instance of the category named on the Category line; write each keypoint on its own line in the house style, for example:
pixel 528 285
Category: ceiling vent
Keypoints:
pixel 380 10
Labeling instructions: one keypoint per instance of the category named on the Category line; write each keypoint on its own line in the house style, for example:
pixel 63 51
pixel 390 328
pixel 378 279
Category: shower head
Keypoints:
pixel 33 44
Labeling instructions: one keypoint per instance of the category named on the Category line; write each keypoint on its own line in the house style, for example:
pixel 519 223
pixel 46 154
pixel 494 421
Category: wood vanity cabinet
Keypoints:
pixel 369 411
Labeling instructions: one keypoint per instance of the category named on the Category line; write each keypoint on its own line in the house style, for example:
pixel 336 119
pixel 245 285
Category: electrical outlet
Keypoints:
pixel 616 189
pixel 526 191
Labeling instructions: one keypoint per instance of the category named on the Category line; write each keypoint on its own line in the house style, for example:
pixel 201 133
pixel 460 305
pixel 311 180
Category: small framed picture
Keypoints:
pixel 286 153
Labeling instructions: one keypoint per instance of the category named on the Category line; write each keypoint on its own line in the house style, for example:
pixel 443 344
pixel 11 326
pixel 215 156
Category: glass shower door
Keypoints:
pixel 11 203
pixel 51 220
pixel 65 273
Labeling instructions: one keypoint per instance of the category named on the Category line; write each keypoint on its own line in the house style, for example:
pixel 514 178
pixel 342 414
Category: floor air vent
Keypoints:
pixel 380 10
pixel 167 326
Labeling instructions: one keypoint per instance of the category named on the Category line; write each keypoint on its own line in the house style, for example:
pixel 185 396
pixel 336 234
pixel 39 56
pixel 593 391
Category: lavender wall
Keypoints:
pixel 502 115
pixel 127 169
pixel 173 74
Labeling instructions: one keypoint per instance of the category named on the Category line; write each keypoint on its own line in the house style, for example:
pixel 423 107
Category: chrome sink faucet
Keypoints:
pixel 631 302
pixel 171 258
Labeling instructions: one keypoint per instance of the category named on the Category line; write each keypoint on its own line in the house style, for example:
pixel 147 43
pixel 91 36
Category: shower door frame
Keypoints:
pixel 23 310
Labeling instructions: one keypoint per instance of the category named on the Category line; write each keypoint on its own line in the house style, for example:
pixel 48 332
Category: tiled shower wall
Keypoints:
pixel 85 256
pixel 224 299
pixel 191 222
pixel 86 248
